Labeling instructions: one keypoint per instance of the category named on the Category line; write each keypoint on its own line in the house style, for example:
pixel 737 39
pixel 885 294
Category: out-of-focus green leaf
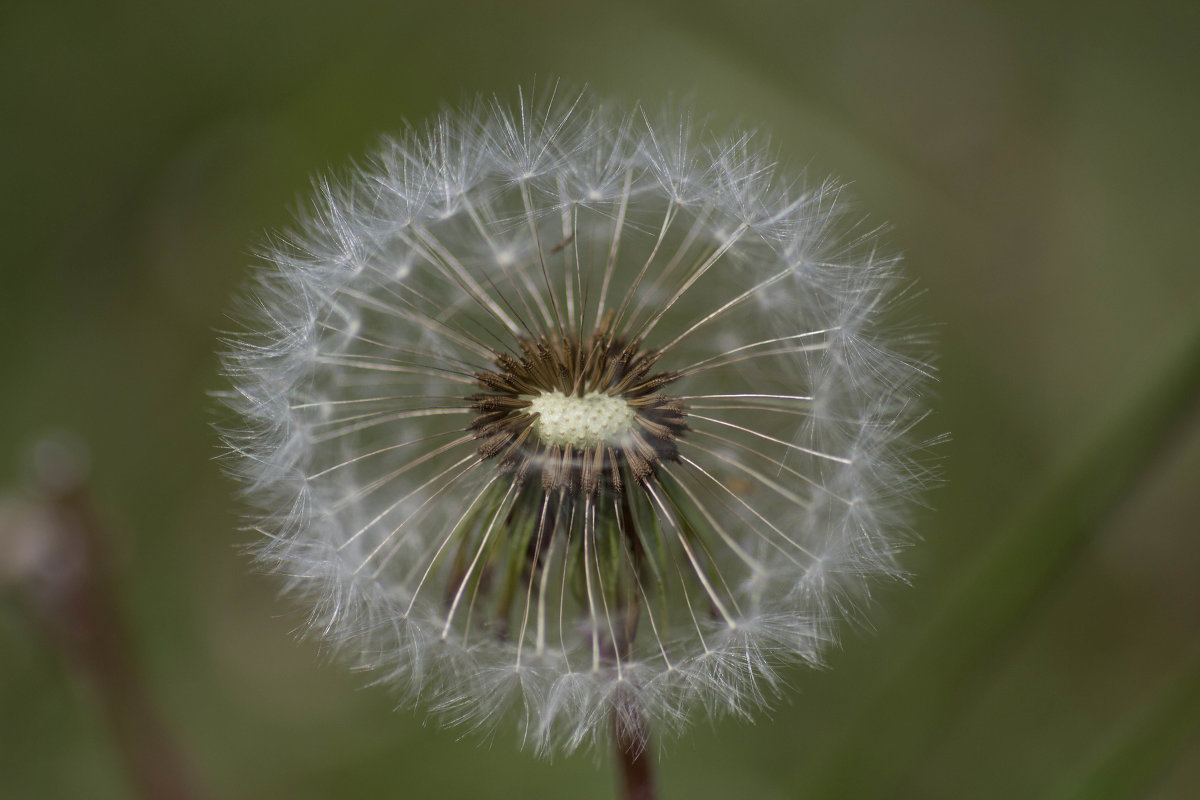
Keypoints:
pixel 999 590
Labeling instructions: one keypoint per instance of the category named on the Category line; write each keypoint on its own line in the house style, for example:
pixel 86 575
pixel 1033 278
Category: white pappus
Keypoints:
pixel 559 414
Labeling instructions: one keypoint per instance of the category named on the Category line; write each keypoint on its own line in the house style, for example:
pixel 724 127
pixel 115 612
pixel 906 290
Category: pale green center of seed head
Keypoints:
pixel 581 422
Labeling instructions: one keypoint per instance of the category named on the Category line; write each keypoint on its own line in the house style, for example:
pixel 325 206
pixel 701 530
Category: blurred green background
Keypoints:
pixel 1039 165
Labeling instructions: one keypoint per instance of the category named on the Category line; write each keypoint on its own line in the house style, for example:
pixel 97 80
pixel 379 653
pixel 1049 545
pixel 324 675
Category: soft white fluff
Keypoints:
pixel 368 323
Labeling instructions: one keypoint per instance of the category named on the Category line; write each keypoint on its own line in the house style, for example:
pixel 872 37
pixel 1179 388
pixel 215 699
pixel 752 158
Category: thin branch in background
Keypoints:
pixel 54 556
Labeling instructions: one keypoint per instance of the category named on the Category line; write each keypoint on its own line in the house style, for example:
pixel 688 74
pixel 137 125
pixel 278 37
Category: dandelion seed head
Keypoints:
pixel 556 414
pixel 593 420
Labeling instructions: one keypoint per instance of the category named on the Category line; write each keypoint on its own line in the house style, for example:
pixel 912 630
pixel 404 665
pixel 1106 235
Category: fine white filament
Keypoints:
pixel 683 581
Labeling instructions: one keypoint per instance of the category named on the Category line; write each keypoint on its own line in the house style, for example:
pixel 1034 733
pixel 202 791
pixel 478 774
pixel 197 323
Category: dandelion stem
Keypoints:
pixel 633 754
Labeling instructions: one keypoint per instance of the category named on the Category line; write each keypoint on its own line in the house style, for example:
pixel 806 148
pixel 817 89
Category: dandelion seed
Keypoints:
pixel 564 416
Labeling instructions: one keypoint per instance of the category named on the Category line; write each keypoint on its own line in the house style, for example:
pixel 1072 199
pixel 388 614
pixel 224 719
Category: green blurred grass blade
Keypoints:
pixel 1128 765
pixel 993 595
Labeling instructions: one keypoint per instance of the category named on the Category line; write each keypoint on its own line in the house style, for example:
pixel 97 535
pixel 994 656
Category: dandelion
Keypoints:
pixel 575 420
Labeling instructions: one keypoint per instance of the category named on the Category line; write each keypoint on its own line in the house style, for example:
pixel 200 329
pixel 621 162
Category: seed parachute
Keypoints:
pixel 556 414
